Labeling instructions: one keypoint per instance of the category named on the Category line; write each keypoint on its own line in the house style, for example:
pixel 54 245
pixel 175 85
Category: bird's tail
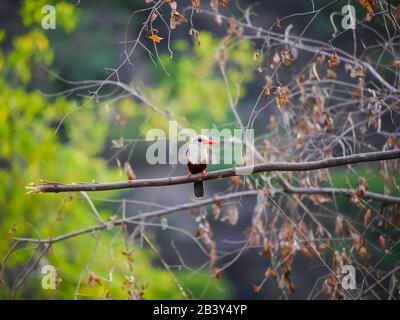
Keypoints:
pixel 198 189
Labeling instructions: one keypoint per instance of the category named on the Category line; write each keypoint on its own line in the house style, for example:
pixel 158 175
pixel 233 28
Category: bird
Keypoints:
pixel 197 159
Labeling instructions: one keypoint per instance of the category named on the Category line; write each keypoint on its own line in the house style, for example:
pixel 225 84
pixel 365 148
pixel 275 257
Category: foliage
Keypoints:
pixel 189 85
pixel 320 93
pixel 35 146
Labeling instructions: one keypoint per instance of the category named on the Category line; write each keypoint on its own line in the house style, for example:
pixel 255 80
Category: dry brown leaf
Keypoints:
pixel 256 288
pixel 357 72
pixel 213 258
pixel 196 34
pixel 228 40
pixel 153 17
pixel 196 3
pixel 93 280
pixel 216 210
pixel 300 142
pixel 395 219
pixel 172 21
pixel 233 29
pixel 320 198
pixel 395 63
pixel 368 4
pixel 268 87
pixel 358 240
pixel 271 273
pixel 14 229
pixel 218 274
pixel 282 96
pixel 223 3
pixel 278 23
pixel 326 120
pixel 128 254
pixel 155 38
pixel 129 281
pixel 397 12
pixel 324 246
pixel 253 236
pixel 382 242
pixel 339 225
pixel 389 179
pixel 231 215
pixel 362 187
pixel 356 200
pixel 302 78
pixel 235 180
pixel 357 94
pixel 222 59
pixel 328 153
pixel 393 142
pixel 286 58
pixel 177 19
pixel 333 60
pixel 107 296
pixel 307 251
pixel 363 252
pixel 129 171
pixel 367 217
pixel 267 247
pixel 373 120
pixel 330 74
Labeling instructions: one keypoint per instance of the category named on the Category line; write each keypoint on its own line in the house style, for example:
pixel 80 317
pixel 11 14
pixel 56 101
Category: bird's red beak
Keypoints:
pixel 209 141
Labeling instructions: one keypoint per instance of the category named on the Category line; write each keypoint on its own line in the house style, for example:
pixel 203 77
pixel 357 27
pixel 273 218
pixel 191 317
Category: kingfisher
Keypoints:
pixel 197 159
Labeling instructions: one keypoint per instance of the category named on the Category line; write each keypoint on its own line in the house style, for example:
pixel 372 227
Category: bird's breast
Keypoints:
pixel 196 168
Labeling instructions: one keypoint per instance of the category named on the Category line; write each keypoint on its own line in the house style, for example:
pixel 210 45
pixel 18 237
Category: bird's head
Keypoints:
pixel 198 149
pixel 201 139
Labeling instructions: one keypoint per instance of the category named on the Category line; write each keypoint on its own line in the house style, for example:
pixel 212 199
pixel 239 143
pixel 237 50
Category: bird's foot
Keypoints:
pixel 203 173
pixel 189 174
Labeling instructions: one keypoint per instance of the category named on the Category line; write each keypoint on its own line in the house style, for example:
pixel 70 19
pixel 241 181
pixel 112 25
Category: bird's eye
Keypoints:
pixel 199 140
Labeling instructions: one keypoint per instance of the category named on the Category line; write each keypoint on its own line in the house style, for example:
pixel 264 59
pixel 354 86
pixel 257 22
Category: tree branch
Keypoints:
pixel 219 174
pixel 340 191
pixel 201 203
pixel 142 216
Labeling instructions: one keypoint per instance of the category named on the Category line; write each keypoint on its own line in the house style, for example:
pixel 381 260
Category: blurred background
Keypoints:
pixel 52 130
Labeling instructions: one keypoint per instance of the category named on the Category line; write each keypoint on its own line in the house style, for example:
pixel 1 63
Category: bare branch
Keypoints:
pixel 152 214
pixel 219 174
pixel 330 191
pixel 201 203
